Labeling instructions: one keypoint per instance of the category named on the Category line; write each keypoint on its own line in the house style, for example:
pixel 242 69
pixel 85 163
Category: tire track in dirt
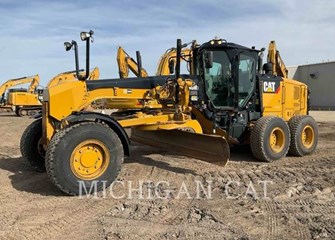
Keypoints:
pixel 175 210
pixel 274 212
pixel 26 202
pixel 150 230
pixel 308 211
pixel 272 225
pixel 72 218
pixel 177 214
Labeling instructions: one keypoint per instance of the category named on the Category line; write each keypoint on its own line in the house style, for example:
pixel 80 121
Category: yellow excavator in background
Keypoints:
pixel 14 82
pixel 277 64
pixel 126 63
pixel 22 101
pixel 28 101
pixel 227 99
pixel 167 62
pixel 165 66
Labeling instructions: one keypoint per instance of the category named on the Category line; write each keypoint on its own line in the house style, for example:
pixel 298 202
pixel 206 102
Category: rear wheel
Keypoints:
pixel 31 147
pixel 270 139
pixel 304 135
pixel 84 157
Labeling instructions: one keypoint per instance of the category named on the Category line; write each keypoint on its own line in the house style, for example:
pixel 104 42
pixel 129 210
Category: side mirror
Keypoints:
pixel 171 66
pixel 209 59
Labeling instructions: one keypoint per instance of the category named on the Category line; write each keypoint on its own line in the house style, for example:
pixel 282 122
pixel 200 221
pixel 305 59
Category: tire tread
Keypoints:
pixel 294 124
pixel 52 148
pixel 257 138
pixel 26 148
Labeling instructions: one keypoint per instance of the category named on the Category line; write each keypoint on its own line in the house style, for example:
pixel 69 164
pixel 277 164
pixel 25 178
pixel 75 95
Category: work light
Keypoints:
pixel 86 35
pixel 68 46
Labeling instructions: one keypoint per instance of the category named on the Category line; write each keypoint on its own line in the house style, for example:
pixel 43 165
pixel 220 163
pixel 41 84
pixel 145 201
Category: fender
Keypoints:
pixel 110 121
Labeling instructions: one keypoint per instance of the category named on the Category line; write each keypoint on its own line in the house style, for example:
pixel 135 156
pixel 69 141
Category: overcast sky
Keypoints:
pixel 33 31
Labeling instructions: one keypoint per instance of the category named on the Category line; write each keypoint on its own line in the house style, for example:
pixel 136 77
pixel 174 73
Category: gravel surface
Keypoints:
pixel 182 198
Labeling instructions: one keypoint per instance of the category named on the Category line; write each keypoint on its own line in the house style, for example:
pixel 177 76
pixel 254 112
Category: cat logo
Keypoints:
pixel 269 87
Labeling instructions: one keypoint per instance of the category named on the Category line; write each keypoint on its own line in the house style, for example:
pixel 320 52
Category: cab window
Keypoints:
pixel 219 84
pixel 246 78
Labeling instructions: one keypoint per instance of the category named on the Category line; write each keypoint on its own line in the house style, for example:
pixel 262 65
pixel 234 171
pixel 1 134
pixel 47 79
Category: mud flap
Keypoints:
pixel 209 148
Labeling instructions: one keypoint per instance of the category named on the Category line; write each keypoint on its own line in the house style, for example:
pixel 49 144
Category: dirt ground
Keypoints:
pixel 298 203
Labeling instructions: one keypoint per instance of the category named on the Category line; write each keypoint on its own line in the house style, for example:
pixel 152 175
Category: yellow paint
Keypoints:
pixel 33 80
pixel 126 63
pixel 290 100
pixel 71 76
pixel 277 140
pixel 307 136
pixel 89 160
pixel 23 99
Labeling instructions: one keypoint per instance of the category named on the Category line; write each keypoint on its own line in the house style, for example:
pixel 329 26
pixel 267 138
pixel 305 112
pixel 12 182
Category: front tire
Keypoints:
pixel 270 139
pixel 304 135
pixel 31 148
pixel 84 155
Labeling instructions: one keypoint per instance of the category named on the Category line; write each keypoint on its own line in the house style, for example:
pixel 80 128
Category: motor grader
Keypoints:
pixel 228 98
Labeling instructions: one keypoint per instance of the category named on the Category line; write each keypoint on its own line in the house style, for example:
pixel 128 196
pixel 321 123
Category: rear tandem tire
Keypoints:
pixel 30 147
pixel 84 155
pixel 270 139
pixel 304 135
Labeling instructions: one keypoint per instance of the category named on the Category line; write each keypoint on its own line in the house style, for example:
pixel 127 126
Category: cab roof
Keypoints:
pixel 222 43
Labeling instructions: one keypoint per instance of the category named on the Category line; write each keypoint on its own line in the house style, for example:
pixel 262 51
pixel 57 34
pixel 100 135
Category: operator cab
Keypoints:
pixel 228 75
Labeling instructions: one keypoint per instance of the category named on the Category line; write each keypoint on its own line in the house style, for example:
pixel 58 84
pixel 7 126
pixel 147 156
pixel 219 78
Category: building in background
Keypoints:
pixel 320 78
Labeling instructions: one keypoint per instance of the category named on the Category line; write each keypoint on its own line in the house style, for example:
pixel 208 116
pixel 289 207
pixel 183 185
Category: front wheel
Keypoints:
pixel 84 157
pixel 31 146
pixel 270 138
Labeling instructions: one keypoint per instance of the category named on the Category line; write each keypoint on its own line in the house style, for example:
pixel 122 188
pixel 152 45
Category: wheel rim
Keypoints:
pixel 307 136
pixel 89 160
pixel 277 140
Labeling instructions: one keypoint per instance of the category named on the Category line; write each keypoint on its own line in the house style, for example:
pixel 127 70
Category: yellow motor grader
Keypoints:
pixel 228 98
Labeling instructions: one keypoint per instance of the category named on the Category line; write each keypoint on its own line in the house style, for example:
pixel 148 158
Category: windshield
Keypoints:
pixel 224 82
pixel 219 84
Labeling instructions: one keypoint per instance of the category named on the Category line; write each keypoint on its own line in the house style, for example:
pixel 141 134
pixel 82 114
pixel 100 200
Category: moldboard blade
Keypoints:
pixel 209 148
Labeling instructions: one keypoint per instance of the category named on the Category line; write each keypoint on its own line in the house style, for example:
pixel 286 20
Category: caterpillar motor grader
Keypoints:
pixel 226 99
